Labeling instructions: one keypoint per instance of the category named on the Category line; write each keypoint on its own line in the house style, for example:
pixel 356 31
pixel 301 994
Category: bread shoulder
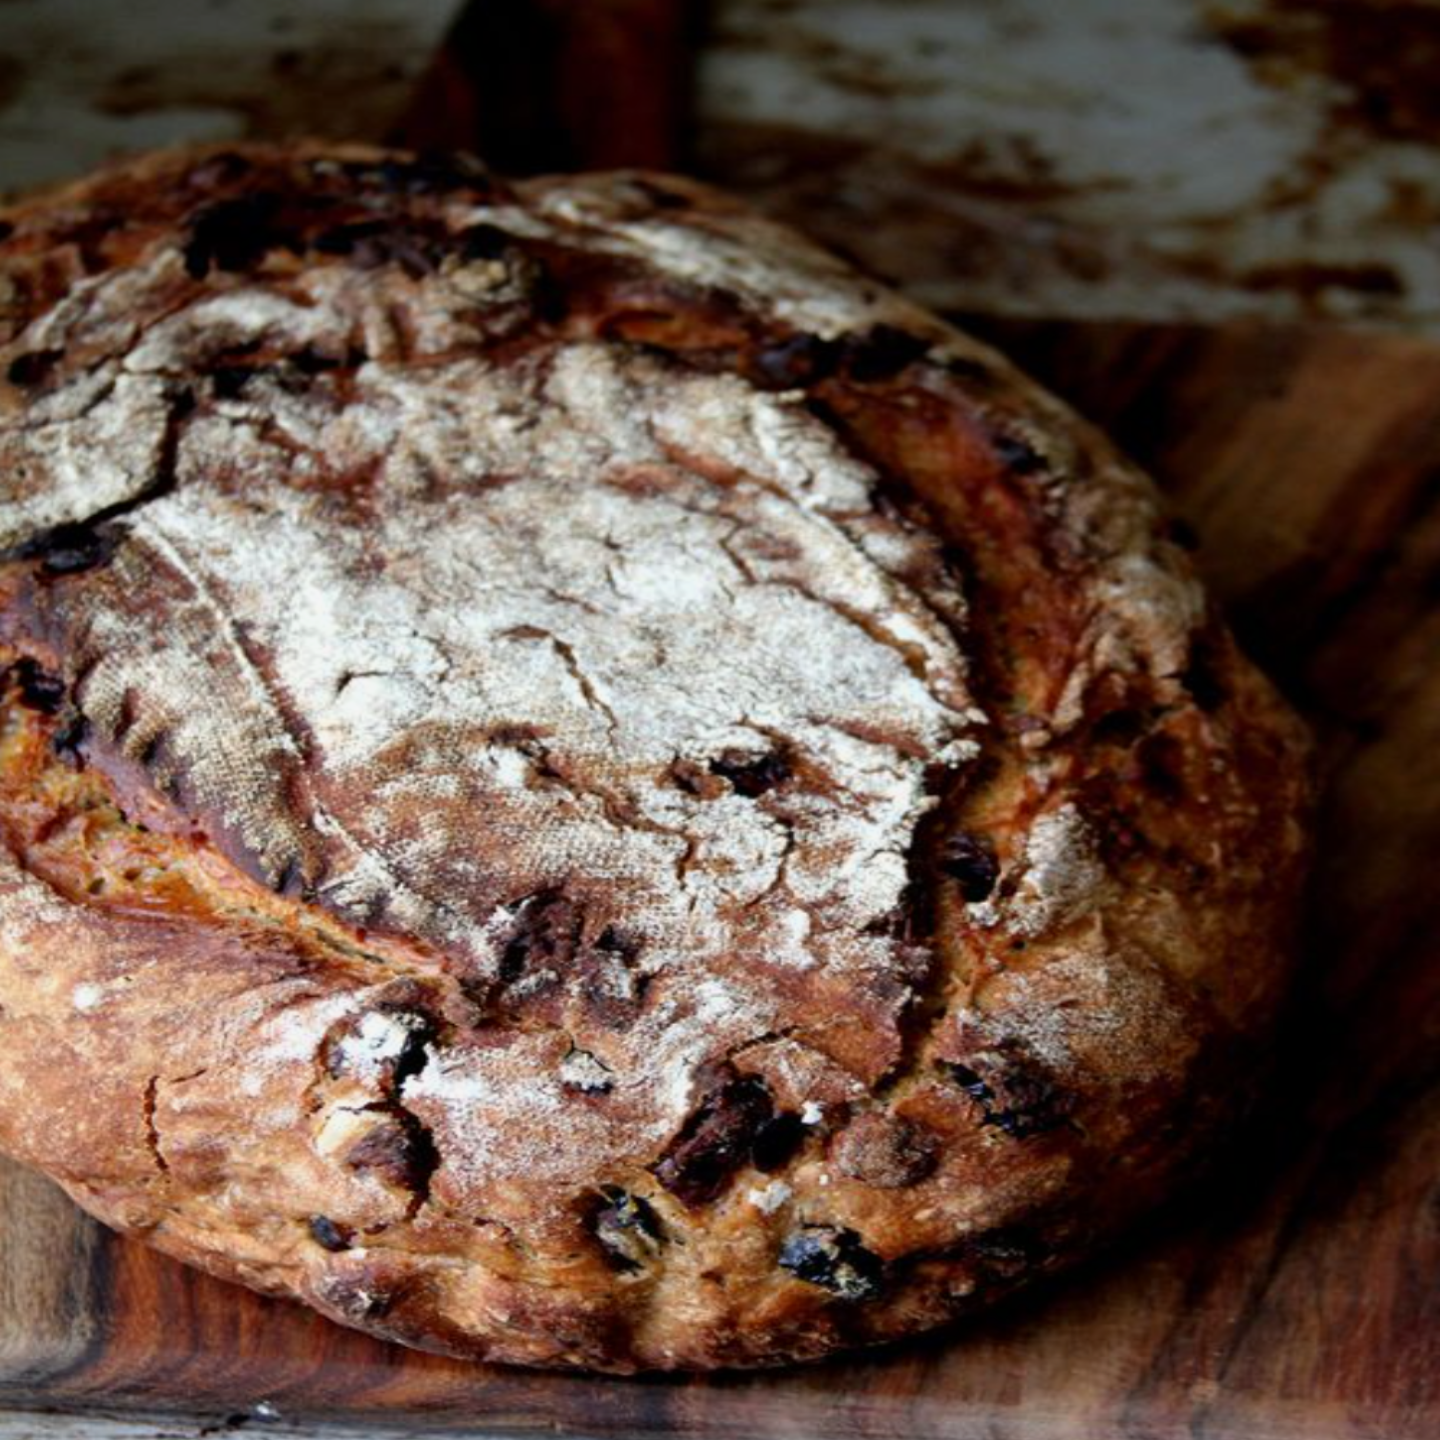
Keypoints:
pixel 582 785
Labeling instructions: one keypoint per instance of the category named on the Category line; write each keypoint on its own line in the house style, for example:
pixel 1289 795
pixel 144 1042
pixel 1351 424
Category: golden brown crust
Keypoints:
pixel 580 785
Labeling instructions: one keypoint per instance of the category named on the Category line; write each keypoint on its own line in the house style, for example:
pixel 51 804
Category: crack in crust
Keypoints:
pixel 670 797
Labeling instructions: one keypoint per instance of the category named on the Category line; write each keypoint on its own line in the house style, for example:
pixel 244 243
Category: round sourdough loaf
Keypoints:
pixel 581 785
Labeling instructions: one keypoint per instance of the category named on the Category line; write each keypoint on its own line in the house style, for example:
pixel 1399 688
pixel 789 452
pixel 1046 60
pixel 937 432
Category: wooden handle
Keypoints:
pixel 542 85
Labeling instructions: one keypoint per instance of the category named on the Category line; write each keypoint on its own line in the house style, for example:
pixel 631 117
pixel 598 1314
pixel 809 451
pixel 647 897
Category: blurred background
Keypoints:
pixel 1098 159
pixel 1214 225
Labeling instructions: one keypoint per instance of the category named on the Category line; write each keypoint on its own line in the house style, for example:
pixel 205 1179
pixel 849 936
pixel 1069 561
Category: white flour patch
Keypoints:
pixel 87 997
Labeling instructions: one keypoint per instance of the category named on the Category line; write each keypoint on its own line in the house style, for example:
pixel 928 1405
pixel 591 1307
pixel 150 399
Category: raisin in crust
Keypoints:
pixel 582 786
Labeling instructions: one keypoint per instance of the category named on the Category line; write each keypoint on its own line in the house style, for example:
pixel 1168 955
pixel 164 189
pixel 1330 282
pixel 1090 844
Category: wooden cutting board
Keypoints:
pixel 1294 1294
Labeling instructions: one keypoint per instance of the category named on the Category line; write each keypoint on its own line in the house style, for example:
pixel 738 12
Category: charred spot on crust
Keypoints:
pixel 751 775
pixel 1013 1096
pixel 546 936
pixel 33 368
pixel 886 1151
pixel 628 1229
pixel 971 861
pixel 36 687
pixel 879 353
pixel 330 1234
pixel 233 234
pixel 833 1258
pixel 716 1141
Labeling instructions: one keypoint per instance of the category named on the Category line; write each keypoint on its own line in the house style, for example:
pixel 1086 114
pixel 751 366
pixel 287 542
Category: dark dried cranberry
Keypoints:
pixel 797 360
pixel 291 879
pixel 330 1233
pixel 34 367
pixel 608 977
pixel 751 775
pixel 309 361
pixel 1014 1098
pixel 1161 760
pixel 1016 455
pixel 69 549
pixel 1182 533
pixel 1201 676
pixel 433 171
pixel 71 735
pixel 1123 727
pixel 371 243
pixel 342 239
pixel 777 1140
pixel 972 862
pixel 421 1031
pixel 1004 1255
pixel 880 353
pixel 546 935
pixel 38 688
pixel 615 942
pixel 6 230
pixel 834 1259
pixel 717 1140
pixel 399 1150
pixel 233 234
pixel 484 242
pixel 230 380
pixel 628 1229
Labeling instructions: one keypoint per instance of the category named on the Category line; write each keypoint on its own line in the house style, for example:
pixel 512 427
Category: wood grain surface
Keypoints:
pixel 1295 1293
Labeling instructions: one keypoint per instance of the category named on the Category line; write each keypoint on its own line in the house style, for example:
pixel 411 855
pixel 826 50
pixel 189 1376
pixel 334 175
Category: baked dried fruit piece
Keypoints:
pixel 580 785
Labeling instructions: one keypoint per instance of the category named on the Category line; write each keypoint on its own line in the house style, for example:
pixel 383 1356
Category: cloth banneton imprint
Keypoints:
pixel 582 785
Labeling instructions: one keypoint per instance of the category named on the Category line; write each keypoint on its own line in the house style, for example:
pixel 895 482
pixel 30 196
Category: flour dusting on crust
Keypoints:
pixel 555 604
